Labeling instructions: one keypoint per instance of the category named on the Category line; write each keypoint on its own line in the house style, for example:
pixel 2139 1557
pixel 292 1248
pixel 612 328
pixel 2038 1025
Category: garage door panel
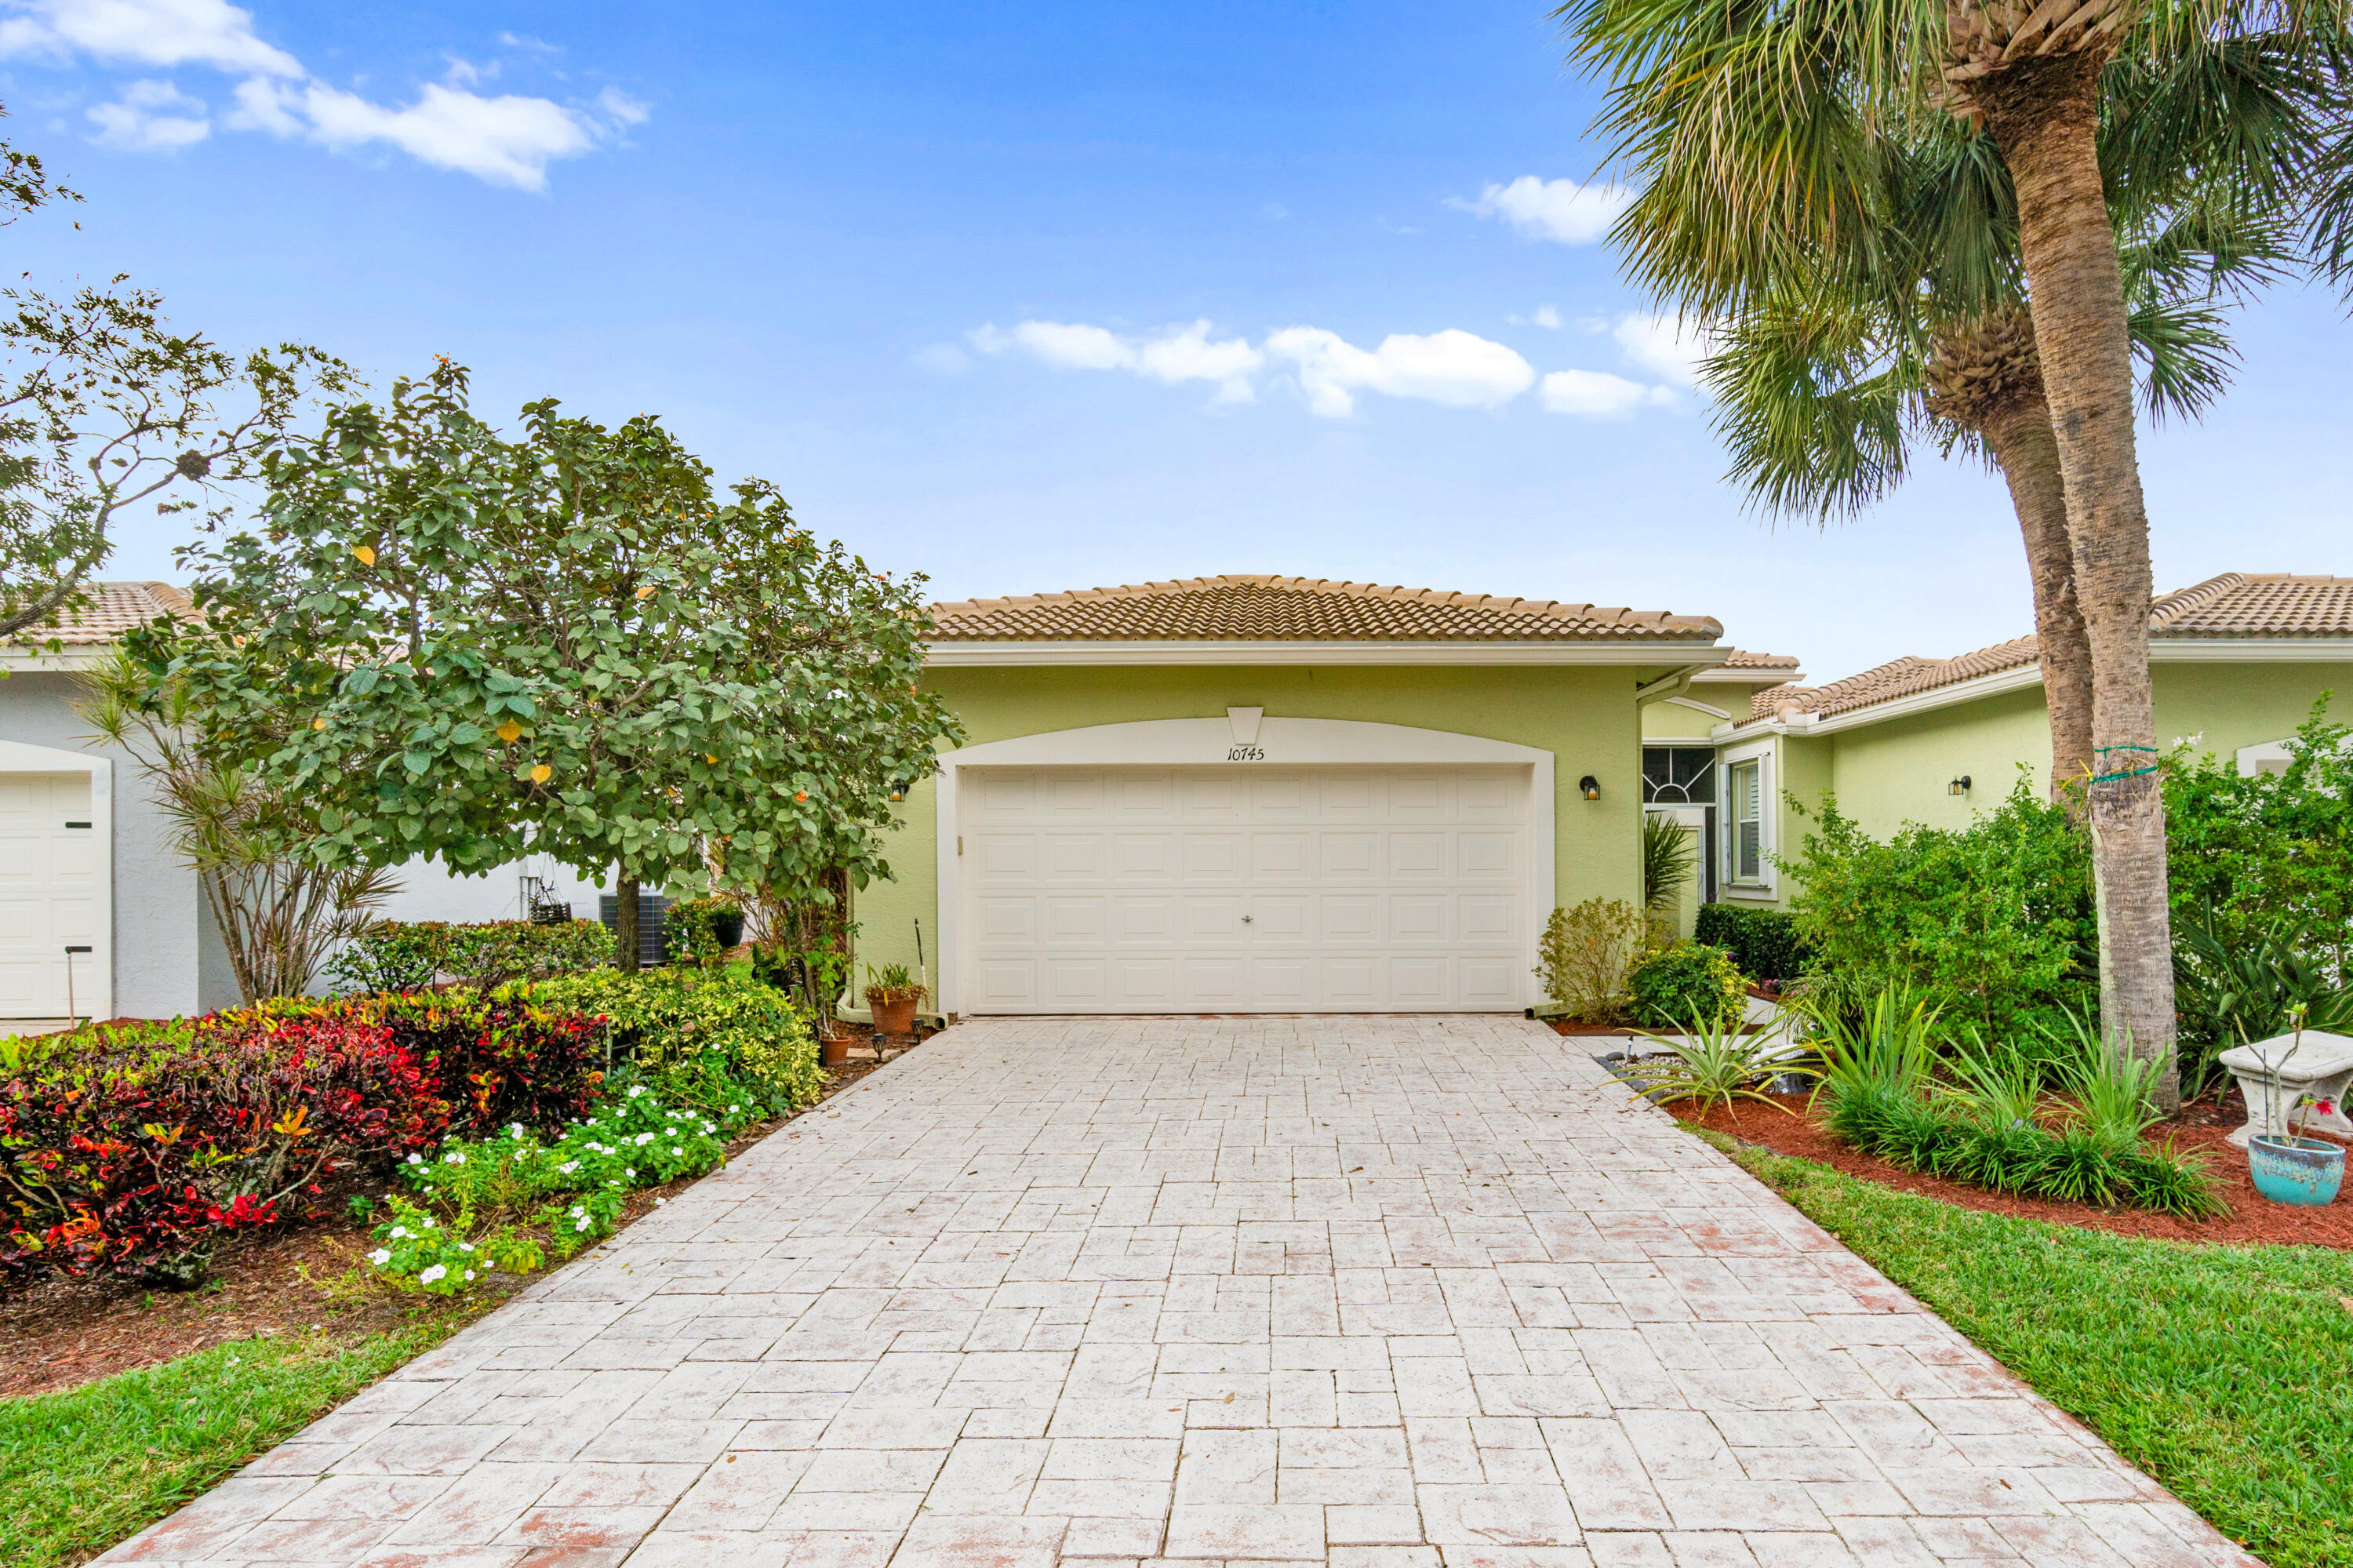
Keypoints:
pixel 1489 919
pixel 1075 857
pixel 1488 982
pixel 1083 920
pixel 1006 857
pixel 1280 857
pixel 1416 856
pixel 1142 856
pixel 1212 982
pixel 52 895
pixel 1348 856
pixel 1006 920
pixel 1144 917
pixel 1160 889
pixel 1286 917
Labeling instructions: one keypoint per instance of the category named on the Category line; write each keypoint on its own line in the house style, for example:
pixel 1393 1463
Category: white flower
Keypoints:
pixel 643 1138
pixel 636 1089
pixel 430 1274
pixel 732 1109
pixel 430 1222
pixel 453 1159
pixel 380 1257
pixel 678 1151
pixel 567 1167
pixel 400 1232
pixel 660 1201
pixel 465 1246
pixel 514 1130
pixel 631 1173
pixel 416 1159
pixel 469 1273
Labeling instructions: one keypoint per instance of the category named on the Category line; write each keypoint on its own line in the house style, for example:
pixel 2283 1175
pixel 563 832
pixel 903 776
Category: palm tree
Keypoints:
pixel 1820 392
pixel 1765 136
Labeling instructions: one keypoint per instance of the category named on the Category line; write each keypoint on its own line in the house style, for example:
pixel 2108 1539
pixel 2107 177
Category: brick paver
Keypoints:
pixel 1395 1292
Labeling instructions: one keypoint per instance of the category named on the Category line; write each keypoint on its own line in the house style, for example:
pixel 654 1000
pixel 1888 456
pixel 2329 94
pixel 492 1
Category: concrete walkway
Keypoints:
pixel 1379 1292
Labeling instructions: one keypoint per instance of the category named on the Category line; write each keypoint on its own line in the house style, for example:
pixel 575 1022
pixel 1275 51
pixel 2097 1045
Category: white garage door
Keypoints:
pixel 1244 890
pixel 50 864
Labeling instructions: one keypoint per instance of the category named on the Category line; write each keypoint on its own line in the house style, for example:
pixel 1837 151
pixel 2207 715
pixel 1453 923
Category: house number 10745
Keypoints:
pixel 1246 754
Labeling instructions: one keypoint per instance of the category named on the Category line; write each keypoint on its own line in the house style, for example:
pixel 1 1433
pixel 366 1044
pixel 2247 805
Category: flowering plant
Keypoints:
pixel 443 1260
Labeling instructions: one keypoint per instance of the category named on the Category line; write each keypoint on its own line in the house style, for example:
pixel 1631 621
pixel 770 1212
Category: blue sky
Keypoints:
pixel 1042 296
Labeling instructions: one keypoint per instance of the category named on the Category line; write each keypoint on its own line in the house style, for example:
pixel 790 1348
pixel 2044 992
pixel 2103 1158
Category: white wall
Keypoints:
pixel 429 891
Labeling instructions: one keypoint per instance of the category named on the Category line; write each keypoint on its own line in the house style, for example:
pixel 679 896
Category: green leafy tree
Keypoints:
pixel 449 643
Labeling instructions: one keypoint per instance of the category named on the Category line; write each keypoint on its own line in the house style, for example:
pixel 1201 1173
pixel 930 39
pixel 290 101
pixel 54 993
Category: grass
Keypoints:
pixel 2220 1370
pixel 83 1469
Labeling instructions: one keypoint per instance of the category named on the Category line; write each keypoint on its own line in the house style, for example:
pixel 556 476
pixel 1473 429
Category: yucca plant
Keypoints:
pixel 1716 1062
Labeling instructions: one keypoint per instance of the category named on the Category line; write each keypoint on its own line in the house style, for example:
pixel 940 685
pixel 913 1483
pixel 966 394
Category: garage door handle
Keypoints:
pixel 1247 918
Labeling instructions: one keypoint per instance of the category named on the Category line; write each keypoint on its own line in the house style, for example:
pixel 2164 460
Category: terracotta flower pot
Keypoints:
pixel 892 1014
pixel 833 1050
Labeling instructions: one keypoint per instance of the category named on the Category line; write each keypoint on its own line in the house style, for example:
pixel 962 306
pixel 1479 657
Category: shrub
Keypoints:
pixel 133 1154
pixel 748 1031
pixel 691 931
pixel 133 1160
pixel 1764 943
pixel 1994 920
pixel 392 957
pixel 1585 953
pixel 1685 985
pixel 1717 1066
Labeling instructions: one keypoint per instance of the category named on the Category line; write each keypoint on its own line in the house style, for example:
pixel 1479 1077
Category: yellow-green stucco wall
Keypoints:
pixel 1585 717
pixel 1901 769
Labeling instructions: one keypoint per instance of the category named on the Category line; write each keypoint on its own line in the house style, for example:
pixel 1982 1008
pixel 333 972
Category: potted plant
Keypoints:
pixel 892 994
pixel 2288 1169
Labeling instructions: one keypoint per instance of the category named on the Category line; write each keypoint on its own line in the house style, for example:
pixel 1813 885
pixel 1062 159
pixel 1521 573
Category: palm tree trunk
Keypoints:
pixel 2042 113
pixel 2023 445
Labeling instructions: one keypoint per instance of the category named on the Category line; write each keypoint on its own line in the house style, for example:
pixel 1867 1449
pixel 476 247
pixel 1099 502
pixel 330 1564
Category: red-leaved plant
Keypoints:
pixel 135 1154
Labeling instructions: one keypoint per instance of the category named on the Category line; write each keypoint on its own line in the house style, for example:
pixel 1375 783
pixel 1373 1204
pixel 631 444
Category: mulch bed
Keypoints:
pixel 2201 1127
pixel 66 1332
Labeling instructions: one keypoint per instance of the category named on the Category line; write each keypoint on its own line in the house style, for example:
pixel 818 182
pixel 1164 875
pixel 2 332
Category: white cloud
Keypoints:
pixel 1562 210
pixel 1667 346
pixel 1545 317
pixel 1173 354
pixel 148 32
pixel 1452 367
pixel 1597 395
pixel 151 117
pixel 508 139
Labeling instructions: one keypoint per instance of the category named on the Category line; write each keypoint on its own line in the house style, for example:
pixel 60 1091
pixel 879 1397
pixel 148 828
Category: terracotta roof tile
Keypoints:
pixel 2236 604
pixel 102 611
pixel 1742 658
pixel 1283 610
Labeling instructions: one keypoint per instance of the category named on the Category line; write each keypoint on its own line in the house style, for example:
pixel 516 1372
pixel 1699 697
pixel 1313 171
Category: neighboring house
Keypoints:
pixel 1256 794
pixel 2237 662
pixel 99 911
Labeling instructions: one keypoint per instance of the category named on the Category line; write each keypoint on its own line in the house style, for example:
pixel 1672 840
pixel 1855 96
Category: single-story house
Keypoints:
pixel 1255 794
pixel 1244 794
pixel 2237 662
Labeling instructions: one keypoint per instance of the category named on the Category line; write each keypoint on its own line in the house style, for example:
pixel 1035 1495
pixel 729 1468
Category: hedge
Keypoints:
pixel 1764 943
pixel 393 956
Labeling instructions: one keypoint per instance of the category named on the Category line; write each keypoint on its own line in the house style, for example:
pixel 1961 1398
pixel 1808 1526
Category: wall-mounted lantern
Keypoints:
pixel 1960 786
pixel 1590 787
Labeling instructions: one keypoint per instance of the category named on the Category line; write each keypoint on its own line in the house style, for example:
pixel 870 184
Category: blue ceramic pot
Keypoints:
pixel 2297 1170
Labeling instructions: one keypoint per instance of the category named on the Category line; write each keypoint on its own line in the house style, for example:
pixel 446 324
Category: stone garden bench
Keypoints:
pixel 2318 1069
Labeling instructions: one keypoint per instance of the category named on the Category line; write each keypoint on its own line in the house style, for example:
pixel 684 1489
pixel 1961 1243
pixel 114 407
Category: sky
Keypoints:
pixel 1041 296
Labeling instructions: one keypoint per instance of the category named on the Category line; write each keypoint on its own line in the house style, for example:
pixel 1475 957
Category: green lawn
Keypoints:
pixel 84 1469
pixel 2221 1371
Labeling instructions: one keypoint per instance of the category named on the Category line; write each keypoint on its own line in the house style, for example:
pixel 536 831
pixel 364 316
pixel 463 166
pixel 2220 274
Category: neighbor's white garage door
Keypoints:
pixel 1244 889
pixel 51 864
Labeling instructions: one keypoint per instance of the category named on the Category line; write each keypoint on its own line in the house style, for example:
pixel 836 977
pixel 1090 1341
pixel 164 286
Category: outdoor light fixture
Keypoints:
pixel 1961 785
pixel 1590 786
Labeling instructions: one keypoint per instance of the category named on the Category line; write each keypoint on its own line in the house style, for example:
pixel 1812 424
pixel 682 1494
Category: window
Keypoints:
pixel 1746 782
pixel 1679 776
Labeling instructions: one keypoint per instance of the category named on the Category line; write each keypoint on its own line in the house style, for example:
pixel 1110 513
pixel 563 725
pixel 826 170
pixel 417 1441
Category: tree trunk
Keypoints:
pixel 2022 443
pixel 2042 113
pixel 625 924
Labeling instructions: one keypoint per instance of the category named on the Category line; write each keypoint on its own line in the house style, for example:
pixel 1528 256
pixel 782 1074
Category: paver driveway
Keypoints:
pixel 1381 1292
